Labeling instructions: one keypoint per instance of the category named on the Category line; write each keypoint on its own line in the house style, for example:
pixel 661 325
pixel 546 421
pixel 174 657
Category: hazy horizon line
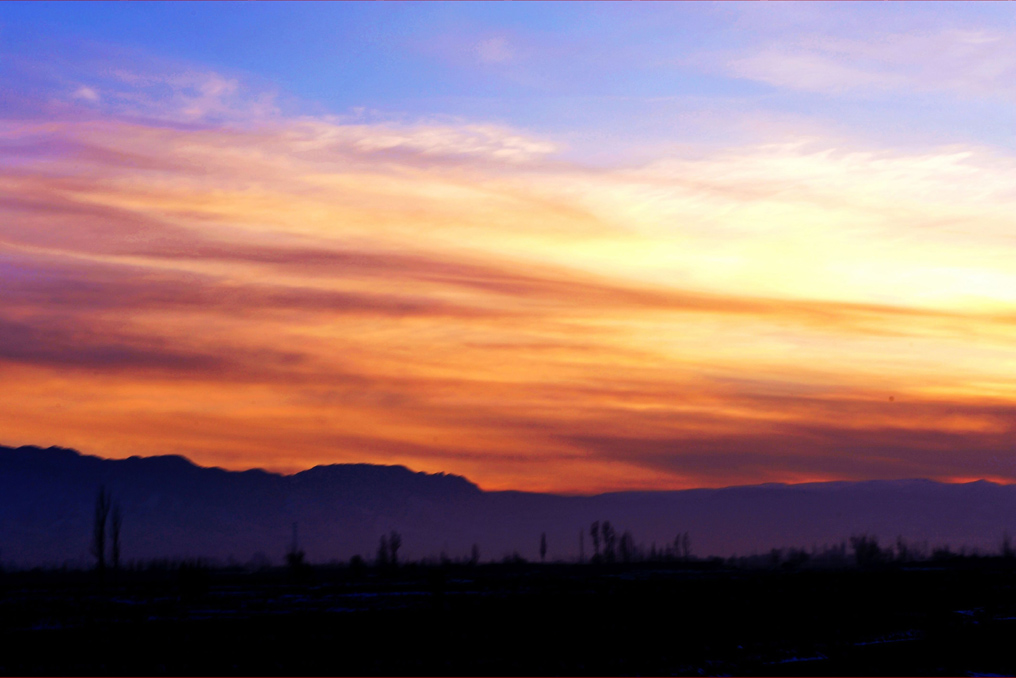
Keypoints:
pixel 284 474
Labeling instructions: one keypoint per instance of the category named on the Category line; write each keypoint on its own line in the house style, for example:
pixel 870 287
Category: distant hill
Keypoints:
pixel 175 509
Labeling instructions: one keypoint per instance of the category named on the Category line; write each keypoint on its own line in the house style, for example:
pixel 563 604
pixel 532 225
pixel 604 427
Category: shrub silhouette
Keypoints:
pixel 775 557
pixel 1006 550
pixel 115 522
pixel 514 559
pixel 543 547
pixel 795 558
pixel 943 552
pixel 102 504
pixel 866 550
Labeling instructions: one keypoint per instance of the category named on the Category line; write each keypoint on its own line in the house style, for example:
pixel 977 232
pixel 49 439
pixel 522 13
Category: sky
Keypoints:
pixel 551 247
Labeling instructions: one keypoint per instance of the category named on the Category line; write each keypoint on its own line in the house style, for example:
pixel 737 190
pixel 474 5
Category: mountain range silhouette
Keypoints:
pixel 174 509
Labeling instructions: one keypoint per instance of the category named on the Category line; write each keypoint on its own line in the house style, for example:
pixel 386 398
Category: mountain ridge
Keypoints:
pixel 319 468
pixel 174 508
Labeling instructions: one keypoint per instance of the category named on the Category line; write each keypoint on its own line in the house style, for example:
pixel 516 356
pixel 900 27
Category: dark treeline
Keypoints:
pixel 609 547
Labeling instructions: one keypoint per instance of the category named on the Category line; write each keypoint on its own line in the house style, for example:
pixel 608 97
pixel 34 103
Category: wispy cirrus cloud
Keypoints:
pixel 968 62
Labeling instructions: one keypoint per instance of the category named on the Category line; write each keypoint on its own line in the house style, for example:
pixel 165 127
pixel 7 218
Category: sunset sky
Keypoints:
pixel 552 247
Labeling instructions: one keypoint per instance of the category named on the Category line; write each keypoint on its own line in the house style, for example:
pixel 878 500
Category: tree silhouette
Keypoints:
pixel 609 541
pixel 682 546
pixel 543 547
pixel 115 522
pixel 474 555
pixel 394 542
pixel 627 547
pixel 594 532
pixel 295 556
pixel 382 552
pixel 902 549
pixel 102 503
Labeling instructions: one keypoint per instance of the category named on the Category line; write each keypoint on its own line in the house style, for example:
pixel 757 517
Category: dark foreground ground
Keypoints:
pixel 953 619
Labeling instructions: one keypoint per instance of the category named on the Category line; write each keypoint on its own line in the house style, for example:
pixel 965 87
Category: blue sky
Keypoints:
pixel 608 78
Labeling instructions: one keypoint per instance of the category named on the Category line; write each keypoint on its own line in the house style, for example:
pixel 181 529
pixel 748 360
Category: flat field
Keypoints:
pixel 701 618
